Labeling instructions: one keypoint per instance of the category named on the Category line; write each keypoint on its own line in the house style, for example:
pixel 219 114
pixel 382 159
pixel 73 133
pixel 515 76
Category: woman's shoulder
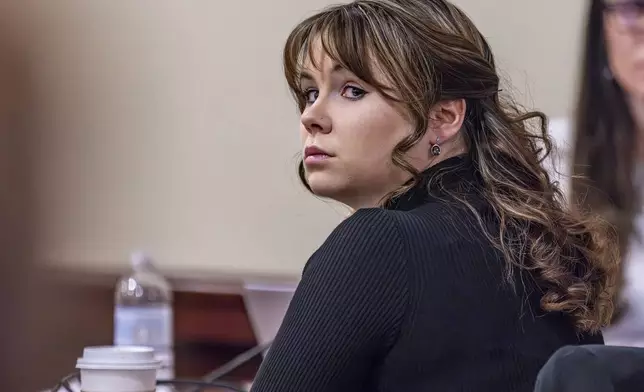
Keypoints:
pixel 365 230
pixel 377 236
pixel 368 236
pixel 366 224
pixel 365 253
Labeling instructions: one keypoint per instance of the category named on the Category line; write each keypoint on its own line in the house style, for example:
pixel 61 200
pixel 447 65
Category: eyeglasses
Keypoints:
pixel 629 14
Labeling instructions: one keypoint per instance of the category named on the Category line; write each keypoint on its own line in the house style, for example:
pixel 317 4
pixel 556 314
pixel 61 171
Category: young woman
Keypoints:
pixel 459 269
pixel 609 145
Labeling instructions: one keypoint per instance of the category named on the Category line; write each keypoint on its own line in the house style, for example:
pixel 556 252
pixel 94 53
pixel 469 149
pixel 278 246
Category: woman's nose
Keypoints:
pixel 316 119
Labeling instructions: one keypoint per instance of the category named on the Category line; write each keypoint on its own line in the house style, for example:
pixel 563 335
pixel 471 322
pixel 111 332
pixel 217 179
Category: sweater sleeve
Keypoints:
pixel 346 312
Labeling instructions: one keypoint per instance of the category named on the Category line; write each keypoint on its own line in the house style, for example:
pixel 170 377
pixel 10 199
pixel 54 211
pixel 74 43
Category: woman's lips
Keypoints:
pixel 314 154
pixel 316 158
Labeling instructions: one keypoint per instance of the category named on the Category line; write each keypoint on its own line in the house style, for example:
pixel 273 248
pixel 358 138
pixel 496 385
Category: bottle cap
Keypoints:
pixel 118 358
pixel 140 259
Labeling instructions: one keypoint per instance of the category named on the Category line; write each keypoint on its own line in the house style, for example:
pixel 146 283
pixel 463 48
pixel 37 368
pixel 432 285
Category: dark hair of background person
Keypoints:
pixel 605 141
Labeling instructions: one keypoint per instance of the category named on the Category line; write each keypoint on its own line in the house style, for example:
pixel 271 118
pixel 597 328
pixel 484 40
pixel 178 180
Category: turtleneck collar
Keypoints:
pixel 456 175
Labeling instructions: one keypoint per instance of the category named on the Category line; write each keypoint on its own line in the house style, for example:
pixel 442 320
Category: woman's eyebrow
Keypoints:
pixel 337 68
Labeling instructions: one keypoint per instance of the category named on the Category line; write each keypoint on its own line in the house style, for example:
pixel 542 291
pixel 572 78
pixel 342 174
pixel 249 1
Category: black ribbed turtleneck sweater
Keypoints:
pixel 413 298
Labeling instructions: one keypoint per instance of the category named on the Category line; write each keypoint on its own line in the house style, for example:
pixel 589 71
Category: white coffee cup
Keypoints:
pixel 118 369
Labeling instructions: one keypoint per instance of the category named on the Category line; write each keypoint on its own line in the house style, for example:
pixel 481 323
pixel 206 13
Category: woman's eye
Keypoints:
pixel 352 92
pixel 627 13
pixel 310 95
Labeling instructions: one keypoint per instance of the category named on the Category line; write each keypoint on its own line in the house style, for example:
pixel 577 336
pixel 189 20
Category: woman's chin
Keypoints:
pixel 323 186
pixel 324 190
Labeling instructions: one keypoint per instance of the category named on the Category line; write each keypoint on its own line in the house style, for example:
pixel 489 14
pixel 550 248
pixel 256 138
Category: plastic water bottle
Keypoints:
pixel 143 313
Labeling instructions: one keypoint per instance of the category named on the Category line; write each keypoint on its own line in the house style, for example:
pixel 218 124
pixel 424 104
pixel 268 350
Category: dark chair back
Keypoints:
pixel 593 368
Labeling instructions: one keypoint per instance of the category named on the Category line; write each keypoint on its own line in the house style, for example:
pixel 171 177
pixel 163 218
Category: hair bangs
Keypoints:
pixel 345 34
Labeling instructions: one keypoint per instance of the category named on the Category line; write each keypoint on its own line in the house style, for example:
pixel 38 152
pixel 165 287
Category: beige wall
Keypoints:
pixel 166 125
pixel 537 46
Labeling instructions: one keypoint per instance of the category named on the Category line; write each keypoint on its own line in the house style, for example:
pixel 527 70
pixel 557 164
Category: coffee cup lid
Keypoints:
pixel 118 358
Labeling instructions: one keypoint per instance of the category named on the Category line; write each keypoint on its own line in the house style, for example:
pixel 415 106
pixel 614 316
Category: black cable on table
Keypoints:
pixel 233 364
pixel 64 383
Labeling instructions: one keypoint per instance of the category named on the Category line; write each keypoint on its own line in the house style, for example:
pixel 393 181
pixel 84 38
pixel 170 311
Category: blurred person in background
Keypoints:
pixel 460 267
pixel 608 161
pixel 40 316
pixel 16 267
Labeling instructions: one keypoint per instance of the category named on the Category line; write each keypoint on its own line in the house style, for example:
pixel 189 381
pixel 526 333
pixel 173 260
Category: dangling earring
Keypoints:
pixel 436 148
pixel 607 73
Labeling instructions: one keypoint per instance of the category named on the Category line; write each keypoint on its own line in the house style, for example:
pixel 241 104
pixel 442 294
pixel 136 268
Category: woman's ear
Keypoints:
pixel 446 118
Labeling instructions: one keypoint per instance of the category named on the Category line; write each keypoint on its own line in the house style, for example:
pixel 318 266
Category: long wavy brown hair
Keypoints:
pixel 429 51
pixel 605 139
